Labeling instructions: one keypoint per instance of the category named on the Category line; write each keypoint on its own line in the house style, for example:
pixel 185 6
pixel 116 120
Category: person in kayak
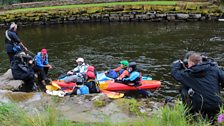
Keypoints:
pixel 13 44
pixel 77 73
pixel 42 66
pixel 120 72
pixel 134 75
pixel 200 84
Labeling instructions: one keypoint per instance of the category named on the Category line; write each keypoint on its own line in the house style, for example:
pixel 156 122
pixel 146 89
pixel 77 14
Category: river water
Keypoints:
pixel 152 45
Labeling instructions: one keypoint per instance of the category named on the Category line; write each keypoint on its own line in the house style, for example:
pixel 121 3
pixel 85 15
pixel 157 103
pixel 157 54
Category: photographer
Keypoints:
pixel 200 81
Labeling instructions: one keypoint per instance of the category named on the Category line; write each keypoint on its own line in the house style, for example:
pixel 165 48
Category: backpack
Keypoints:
pixel 93 86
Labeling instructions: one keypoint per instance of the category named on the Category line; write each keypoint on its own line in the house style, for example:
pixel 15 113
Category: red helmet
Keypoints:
pixel 90 75
pixel 90 68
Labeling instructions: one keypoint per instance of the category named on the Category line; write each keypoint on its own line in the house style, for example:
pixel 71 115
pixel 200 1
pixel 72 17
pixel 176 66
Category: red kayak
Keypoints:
pixel 62 84
pixel 145 84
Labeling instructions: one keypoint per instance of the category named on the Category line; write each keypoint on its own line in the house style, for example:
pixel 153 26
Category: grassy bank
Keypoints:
pixel 96 5
pixel 11 115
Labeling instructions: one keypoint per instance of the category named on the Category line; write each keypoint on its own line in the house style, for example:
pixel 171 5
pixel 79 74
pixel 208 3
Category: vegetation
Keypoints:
pixel 96 5
pixel 11 115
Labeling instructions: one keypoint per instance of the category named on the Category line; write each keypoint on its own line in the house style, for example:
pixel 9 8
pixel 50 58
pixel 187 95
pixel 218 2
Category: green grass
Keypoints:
pixel 12 115
pixel 96 5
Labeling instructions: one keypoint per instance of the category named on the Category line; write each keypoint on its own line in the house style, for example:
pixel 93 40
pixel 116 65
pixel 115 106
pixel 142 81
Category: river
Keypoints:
pixel 152 45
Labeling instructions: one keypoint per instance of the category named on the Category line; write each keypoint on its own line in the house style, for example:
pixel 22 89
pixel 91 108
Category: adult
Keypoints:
pixel 120 72
pixel 77 74
pixel 135 76
pixel 200 84
pixel 22 70
pixel 13 44
pixel 42 66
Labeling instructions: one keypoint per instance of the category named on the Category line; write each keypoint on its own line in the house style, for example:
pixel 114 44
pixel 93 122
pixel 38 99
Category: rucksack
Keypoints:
pixel 93 86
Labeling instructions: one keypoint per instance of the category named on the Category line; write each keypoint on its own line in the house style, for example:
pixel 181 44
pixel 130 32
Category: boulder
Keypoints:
pixel 182 16
pixel 8 83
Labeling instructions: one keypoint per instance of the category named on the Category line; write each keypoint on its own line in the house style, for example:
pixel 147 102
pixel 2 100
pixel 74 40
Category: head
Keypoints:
pixel 80 61
pixel 124 63
pixel 132 66
pixel 13 26
pixel 44 52
pixel 194 59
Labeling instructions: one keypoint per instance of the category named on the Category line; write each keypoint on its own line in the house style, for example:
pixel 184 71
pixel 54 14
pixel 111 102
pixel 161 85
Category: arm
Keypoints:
pixel 176 70
pixel 221 77
pixel 17 40
pixel 38 61
pixel 124 74
pixel 117 69
pixel 133 76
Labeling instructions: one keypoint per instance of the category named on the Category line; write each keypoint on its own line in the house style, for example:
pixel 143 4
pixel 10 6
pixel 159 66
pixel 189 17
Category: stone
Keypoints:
pixel 195 16
pixel 171 17
pixel 182 16
pixel 8 83
pixel 161 15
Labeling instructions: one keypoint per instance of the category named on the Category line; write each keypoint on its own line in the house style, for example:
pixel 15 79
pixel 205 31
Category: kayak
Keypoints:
pixel 103 77
pixel 63 84
pixel 110 85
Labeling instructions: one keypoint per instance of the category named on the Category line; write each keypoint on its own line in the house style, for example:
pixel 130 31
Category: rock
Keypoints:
pixel 8 83
pixel 195 16
pixel 182 16
pixel 171 17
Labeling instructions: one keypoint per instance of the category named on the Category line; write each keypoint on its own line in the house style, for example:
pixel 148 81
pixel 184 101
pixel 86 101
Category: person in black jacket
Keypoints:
pixel 13 44
pixel 200 84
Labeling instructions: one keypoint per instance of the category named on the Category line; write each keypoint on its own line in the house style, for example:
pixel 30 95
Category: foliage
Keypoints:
pixel 99 103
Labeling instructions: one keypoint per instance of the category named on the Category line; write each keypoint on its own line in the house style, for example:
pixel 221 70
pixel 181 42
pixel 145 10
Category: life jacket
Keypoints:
pixel 93 86
pixel 90 74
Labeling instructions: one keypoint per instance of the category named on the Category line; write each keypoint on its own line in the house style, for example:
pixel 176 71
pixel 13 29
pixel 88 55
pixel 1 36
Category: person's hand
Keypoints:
pixel 25 49
pixel 50 67
pixel 69 72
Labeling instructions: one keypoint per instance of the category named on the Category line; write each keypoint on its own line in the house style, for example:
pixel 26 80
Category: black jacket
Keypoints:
pixel 205 80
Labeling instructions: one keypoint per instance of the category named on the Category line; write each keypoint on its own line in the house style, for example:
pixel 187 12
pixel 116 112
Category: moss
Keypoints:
pixel 130 105
pixel 137 7
pixel 147 8
pixel 127 7
pixel 191 6
pixel 99 103
pixel 92 10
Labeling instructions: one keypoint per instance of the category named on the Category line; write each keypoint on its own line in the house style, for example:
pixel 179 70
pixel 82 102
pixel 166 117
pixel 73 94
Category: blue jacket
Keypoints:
pixel 39 60
pixel 133 76
pixel 204 79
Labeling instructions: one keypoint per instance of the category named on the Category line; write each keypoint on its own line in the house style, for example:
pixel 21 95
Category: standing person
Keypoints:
pixel 42 66
pixel 200 84
pixel 77 74
pixel 13 44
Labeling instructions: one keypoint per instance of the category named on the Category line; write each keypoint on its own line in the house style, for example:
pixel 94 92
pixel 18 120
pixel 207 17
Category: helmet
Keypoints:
pixel 90 75
pixel 44 51
pixel 80 60
pixel 132 65
pixel 90 68
pixel 13 25
pixel 124 62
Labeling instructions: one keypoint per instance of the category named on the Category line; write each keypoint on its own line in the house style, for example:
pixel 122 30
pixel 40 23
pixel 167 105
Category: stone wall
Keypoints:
pixel 118 13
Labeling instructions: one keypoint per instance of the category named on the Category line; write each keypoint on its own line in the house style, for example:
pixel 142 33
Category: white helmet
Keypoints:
pixel 80 60
pixel 13 25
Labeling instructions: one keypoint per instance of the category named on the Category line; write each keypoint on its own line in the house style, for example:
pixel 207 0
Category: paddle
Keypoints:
pixel 113 95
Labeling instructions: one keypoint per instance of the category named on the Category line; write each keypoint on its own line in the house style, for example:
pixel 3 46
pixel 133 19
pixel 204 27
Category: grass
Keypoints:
pixel 96 5
pixel 12 115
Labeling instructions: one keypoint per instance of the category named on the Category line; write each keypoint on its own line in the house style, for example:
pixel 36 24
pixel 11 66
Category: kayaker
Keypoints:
pixel 200 84
pixel 42 66
pixel 76 74
pixel 13 44
pixel 120 72
pixel 134 77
